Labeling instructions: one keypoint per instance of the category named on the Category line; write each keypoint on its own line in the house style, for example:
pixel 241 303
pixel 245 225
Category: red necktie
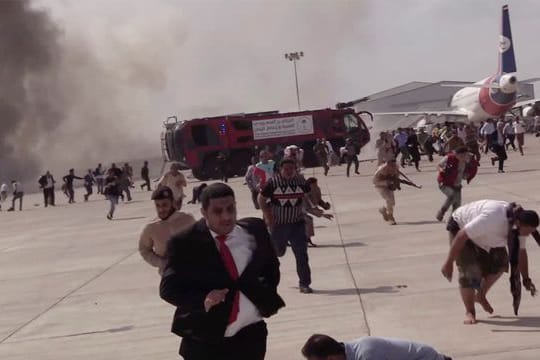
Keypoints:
pixel 230 265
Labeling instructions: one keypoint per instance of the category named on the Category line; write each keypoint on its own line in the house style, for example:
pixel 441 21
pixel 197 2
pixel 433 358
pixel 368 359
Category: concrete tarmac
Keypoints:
pixel 73 286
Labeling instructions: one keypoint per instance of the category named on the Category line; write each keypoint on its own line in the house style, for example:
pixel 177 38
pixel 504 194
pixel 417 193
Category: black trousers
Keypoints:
pixel 70 193
pixel 248 344
pixel 146 183
pixel 254 198
pixel 500 151
pixel 89 191
pixel 511 141
pixel 100 183
pixel 323 161
pixel 17 195
pixel 222 171
pixel 48 196
pixel 351 159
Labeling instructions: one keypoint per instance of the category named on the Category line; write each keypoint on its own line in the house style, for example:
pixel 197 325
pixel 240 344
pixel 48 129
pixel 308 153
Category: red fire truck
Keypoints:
pixel 196 143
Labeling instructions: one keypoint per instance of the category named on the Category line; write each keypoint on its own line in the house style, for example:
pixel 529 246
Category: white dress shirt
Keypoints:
pixel 487 129
pixel 508 129
pixel 518 128
pixel 241 245
pixel 50 182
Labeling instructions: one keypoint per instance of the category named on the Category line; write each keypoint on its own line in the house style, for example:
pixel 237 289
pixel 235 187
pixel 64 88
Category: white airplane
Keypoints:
pixel 491 97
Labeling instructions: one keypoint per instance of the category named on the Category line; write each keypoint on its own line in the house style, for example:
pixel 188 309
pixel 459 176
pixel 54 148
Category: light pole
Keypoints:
pixel 294 57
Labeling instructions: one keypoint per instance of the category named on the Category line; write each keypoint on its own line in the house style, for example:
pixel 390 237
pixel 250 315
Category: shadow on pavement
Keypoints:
pixel 352 244
pixel 524 171
pixel 131 202
pixel 108 331
pixel 423 222
pixel 526 322
pixel 362 291
pixel 130 218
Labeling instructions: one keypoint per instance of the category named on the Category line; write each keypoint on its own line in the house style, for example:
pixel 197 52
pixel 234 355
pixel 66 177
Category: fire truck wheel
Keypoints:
pixel 199 174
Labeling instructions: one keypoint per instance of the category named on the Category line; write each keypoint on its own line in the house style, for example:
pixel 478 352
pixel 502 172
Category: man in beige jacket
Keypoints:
pixel 176 181
pixel 156 234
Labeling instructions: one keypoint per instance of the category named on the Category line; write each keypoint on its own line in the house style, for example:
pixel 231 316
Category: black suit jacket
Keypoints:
pixel 43 181
pixel 194 268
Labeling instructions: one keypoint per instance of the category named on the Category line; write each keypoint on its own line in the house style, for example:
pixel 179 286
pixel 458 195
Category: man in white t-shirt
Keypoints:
pixel 479 233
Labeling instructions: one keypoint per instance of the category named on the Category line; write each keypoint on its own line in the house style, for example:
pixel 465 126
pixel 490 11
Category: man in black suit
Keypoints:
pixel 222 276
pixel 46 182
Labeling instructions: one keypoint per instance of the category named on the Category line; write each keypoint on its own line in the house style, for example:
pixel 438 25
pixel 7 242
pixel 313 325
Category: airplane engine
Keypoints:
pixel 508 83
pixel 528 111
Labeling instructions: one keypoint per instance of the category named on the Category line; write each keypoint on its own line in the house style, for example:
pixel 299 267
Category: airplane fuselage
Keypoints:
pixel 491 97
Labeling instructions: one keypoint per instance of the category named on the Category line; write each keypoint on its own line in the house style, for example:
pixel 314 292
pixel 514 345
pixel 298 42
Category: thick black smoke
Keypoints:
pixel 84 82
pixel 71 96
pixel 29 58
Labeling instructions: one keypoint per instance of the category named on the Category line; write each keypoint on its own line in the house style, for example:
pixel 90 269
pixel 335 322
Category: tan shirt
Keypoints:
pixel 176 182
pixel 383 175
pixel 156 235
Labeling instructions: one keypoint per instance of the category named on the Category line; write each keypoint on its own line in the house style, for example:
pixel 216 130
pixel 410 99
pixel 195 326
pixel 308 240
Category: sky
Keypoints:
pixel 135 62
pixel 227 55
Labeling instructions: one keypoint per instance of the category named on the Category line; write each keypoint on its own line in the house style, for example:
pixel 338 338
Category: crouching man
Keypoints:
pixel 323 347
pixel 479 233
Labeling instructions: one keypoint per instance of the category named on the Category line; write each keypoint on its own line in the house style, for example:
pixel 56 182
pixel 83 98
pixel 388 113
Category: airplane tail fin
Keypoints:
pixel 507 60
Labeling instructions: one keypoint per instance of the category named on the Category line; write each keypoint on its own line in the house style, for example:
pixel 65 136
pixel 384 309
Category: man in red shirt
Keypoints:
pixel 453 168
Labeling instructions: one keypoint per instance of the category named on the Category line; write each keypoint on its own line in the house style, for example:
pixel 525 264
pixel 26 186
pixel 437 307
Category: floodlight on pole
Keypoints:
pixel 294 57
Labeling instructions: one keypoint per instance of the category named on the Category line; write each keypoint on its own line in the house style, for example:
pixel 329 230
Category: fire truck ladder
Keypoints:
pixel 167 124
pixel 164 152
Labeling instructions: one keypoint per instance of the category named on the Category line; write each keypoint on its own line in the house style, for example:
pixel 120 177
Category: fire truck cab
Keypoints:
pixel 196 143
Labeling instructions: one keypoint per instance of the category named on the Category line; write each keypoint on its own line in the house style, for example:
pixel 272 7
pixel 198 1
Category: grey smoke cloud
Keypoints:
pixel 72 98
pixel 118 68
pixel 29 55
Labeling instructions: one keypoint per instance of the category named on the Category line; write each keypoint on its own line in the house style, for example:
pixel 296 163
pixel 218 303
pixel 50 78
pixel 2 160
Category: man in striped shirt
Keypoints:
pixel 281 202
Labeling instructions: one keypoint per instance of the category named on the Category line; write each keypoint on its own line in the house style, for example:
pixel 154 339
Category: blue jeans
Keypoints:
pixel 296 235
